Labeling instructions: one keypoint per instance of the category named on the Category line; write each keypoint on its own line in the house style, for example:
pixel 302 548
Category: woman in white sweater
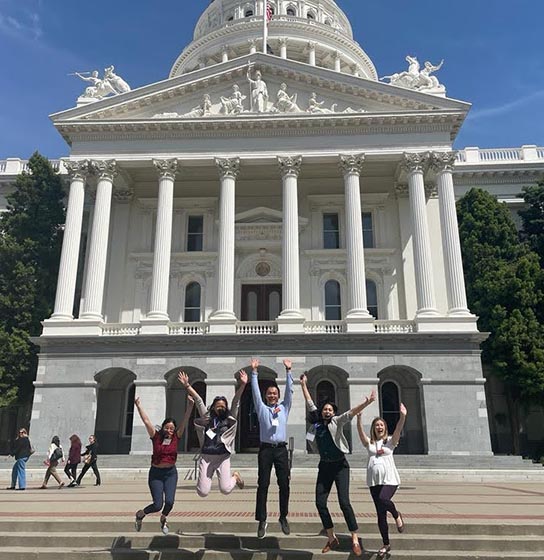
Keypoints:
pixel 382 476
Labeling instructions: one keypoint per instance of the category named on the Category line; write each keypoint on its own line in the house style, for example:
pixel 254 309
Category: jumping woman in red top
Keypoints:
pixel 163 475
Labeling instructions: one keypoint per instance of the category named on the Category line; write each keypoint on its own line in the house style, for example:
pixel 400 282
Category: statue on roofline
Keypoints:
pixel 416 78
pixel 109 84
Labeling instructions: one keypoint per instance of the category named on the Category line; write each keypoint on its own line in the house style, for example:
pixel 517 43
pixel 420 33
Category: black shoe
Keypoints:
pixel 72 484
pixel 138 518
pixel 10 488
pixel 20 489
pixel 284 524
pixel 261 531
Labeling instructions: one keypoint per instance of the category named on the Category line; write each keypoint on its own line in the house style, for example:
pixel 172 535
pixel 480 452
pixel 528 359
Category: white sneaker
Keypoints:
pixel 164 526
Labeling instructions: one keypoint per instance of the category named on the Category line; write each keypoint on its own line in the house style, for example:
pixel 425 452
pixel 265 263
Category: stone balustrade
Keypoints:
pixel 15 166
pixel 474 155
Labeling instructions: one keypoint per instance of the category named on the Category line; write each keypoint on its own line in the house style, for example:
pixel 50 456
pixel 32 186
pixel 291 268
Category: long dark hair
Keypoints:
pixel 212 409
pixel 168 421
pixel 56 441
pixel 316 416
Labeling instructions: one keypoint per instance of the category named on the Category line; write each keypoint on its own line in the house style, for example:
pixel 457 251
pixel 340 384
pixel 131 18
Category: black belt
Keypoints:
pixel 267 445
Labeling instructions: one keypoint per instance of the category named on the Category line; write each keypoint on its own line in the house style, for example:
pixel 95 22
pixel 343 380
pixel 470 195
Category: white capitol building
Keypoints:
pixel 271 205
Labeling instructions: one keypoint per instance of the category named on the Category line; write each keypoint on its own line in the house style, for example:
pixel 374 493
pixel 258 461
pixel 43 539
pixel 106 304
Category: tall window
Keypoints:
pixel 331 231
pixel 195 233
pixel 129 409
pixel 372 298
pixel 368 230
pixel 390 405
pixel 325 392
pixel 291 11
pixel 192 303
pixel 310 15
pixel 248 13
pixel 333 304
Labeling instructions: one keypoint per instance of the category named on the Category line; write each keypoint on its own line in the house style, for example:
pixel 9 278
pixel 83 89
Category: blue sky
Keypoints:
pixel 493 51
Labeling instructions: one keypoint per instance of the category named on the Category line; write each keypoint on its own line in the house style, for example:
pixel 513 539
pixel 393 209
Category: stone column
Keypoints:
pixel 290 319
pixel 225 53
pixel 157 318
pixel 223 319
pixel 442 163
pixel 358 318
pixel 283 47
pixel 98 249
pixel 66 283
pixel 152 393
pixel 414 165
pixel 337 62
pixel 311 54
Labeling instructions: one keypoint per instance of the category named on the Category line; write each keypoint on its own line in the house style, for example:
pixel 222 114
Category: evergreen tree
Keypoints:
pixel 533 218
pixel 30 244
pixel 504 288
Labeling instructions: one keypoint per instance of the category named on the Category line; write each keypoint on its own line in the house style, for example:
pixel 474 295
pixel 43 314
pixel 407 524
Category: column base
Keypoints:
pixel 58 327
pixel 467 324
pixel 154 326
pixel 290 322
pixel 87 327
pixel 222 322
pixel 359 323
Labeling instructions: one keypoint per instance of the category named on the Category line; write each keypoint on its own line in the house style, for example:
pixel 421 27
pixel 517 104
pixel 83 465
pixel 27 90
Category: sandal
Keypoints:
pixel 385 549
pixel 356 547
pixel 331 545
pixel 239 480
pixel 400 528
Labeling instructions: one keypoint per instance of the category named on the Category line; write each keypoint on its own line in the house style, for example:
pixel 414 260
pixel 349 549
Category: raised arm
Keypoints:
pixel 400 424
pixel 362 436
pixel 360 407
pixel 257 399
pixel 183 378
pixel 305 390
pixel 186 416
pixel 235 407
pixel 145 418
pixel 288 400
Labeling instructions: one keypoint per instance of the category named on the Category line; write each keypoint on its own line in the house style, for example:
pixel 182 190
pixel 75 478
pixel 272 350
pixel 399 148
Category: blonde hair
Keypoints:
pixel 373 437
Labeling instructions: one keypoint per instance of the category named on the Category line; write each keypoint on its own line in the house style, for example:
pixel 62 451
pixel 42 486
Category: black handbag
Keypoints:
pixel 56 455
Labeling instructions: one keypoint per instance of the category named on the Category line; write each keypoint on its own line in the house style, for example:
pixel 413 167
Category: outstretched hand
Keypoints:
pixel 403 410
pixel 303 379
pixel 372 397
pixel 183 379
pixel 254 364
pixel 287 363
pixel 243 377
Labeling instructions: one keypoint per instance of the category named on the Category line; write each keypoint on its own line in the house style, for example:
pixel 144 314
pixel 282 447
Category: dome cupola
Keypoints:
pixel 315 32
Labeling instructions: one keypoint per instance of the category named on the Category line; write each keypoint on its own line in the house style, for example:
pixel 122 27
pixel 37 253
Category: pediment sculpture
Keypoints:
pixel 109 84
pixel 417 78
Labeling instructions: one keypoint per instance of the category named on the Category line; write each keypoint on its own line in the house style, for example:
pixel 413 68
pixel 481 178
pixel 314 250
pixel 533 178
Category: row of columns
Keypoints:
pixel 358 318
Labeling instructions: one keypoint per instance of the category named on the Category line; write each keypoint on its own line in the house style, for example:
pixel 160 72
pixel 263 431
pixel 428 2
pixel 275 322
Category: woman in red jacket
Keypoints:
pixel 74 458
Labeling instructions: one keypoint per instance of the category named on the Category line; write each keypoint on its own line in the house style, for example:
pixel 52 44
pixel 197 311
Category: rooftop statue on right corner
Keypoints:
pixel 418 79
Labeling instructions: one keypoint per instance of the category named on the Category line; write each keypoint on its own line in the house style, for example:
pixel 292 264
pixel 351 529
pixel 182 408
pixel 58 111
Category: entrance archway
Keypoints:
pixel 403 384
pixel 114 410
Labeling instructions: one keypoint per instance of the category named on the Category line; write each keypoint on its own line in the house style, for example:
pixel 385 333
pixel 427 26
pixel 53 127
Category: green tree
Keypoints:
pixel 504 288
pixel 30 244
pixel 533 218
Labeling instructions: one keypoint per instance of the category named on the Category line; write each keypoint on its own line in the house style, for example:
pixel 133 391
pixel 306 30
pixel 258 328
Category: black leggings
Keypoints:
pixel 337 473
pixel 70 470
pixel 382 494
pixel 162 485
pixel 84 470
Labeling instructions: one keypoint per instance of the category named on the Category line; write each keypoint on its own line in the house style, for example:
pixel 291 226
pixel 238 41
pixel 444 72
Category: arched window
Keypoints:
pixel 248 13
pixel 291 11
pixel 333 303
pixel 310 15
pixel 328 22
pixel 372 298
pixel 192 303
pixel 325 392
pixel 390 404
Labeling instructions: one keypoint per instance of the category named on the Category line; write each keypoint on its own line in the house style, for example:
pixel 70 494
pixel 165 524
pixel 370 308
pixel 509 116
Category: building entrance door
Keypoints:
pixel 261 302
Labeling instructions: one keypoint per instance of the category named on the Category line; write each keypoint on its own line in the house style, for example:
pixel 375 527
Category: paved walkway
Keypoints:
pixel 420 502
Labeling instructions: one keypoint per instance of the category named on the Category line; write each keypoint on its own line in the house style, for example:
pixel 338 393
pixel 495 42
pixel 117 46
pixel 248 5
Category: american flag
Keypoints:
pixel 269 11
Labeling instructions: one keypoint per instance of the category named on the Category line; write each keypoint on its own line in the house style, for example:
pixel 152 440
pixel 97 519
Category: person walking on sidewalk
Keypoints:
pixel 163 475
pixel 21 451
pixel 326 436
pixel 216 430
pixel 90 461
pixel 382 476
pixel 273 416
pixel 55 454
pixel 74 458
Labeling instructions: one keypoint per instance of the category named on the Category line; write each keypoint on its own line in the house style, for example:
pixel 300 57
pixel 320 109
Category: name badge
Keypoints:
pixel 277 410
pixel 210 433
pixel 166 441
pixel 275 422
pixel 310 436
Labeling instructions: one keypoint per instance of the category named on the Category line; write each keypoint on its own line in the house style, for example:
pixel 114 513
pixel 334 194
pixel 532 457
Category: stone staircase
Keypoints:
pixel 94 539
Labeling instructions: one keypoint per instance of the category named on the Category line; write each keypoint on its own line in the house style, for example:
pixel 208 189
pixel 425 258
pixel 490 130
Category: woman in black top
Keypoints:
pixel 21 450
pixel 91 455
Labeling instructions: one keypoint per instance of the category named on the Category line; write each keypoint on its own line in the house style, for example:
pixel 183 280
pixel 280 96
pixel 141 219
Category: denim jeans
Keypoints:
pixel 19 472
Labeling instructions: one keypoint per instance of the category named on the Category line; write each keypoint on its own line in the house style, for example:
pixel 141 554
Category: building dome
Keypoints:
pixel 315 32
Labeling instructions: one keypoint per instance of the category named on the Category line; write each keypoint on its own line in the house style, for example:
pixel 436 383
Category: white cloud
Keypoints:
pixel 21 23
pixel 506 107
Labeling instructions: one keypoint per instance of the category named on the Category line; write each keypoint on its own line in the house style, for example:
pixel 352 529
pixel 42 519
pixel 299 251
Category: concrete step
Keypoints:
pixel 219 542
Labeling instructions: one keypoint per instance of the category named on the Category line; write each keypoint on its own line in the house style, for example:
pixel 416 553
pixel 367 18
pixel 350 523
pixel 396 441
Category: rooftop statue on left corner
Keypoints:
pixel 109 84
pixel 417 78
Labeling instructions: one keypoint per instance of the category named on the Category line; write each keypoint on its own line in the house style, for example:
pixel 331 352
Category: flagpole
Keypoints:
pixel 265 27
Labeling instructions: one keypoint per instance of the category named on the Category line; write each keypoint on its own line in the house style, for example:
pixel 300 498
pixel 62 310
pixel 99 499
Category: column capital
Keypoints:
pixel 414 162
pixel 77 169
pixel 283 41
pixel 167 168
pixel 104 169
pixel 228 167
pixel 123 195
pixel 312 45
pixel 351 163
pixel 290 165
pixel 443 161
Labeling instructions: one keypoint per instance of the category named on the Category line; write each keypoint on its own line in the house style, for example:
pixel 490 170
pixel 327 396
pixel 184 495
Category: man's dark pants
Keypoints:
pixel 278 457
